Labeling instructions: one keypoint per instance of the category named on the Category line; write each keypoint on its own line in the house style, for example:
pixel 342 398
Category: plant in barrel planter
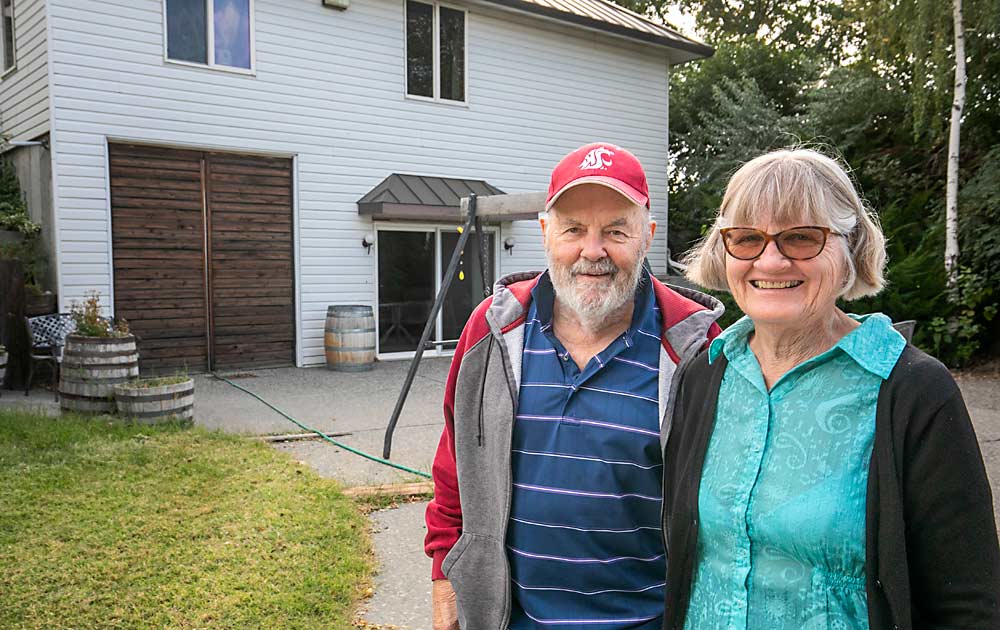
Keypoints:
pixel 151 400
pixel 100 354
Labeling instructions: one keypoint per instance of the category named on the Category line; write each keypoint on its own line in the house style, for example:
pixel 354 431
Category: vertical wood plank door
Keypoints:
pixel 158 232
pixel 251 271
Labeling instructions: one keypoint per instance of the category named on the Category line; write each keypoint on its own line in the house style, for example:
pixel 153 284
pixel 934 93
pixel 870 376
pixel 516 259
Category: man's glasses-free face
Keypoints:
pixel 797 243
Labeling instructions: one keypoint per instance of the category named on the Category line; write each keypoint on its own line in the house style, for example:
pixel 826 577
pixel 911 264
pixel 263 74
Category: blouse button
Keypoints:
pixel 878 584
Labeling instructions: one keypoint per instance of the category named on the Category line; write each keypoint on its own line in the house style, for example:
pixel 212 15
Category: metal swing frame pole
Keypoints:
pixel 449 276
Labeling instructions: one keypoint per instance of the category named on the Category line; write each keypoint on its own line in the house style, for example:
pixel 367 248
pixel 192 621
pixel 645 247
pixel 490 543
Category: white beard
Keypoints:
pixel 594 304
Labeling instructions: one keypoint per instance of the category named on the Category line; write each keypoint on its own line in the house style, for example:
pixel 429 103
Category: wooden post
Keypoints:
pixel 13 332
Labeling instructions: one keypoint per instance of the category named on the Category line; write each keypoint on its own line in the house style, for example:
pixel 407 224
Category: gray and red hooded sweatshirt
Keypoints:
pixel 467 520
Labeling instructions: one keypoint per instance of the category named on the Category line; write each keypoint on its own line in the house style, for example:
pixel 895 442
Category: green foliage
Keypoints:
pixel 779 24
pixel 871 82
pixel 957 337
pixel 724 111
pixel 13 210
pixel 912 41
pixel 111 525
pixel 91 323
pixel 29 251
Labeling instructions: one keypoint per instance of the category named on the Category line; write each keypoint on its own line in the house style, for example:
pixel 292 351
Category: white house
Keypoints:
pixel 213 167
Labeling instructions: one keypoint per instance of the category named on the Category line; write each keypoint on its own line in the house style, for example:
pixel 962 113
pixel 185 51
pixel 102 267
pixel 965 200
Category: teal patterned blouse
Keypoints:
pixel 781 531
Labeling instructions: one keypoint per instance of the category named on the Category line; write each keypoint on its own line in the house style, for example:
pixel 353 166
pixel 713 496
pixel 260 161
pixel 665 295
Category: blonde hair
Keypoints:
pixel 796 187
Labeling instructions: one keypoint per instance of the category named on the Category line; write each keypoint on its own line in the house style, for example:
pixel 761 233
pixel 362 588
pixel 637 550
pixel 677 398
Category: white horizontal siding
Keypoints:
pixel 24 92
pixel 328 88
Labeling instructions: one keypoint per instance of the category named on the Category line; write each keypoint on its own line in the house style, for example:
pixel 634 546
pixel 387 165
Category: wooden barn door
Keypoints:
pixel 252 266
pixel 158 235
pixel 203 257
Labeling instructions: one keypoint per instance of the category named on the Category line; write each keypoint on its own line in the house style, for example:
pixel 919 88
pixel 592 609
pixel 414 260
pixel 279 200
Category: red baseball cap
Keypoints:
pixel 604 164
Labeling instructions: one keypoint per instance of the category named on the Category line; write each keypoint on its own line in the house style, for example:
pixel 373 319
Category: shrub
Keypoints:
pixel 90 322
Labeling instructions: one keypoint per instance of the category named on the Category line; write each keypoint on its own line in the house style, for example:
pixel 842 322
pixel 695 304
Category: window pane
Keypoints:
pixel 8 33
pixel 232 33
pixel 452 54
pixel 405 288
pixel 186 35
pixel 419 49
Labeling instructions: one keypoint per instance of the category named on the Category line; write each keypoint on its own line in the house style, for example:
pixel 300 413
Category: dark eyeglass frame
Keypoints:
pixel 776 237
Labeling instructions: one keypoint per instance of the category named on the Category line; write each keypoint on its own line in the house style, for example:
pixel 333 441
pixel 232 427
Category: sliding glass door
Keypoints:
pixel 411 266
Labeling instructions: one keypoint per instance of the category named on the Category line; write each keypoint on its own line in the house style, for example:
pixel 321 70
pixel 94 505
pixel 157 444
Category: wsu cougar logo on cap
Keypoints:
pixel 597 158
pixel 593 164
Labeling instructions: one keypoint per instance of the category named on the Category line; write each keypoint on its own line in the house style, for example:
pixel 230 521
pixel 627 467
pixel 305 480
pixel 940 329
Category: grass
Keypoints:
pixel 147 383
pixel 108 525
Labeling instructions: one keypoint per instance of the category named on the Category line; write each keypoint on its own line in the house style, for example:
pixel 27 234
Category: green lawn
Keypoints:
pixel 104 525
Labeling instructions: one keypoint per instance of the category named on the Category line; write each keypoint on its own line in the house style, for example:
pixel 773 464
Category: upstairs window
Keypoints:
pixel 435 51
pixel 7 35
pixel 210 32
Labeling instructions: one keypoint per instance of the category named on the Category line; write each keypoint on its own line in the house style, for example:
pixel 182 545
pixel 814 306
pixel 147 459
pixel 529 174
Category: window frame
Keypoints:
pixel 4 72
pixel 436 54
pixel 210 42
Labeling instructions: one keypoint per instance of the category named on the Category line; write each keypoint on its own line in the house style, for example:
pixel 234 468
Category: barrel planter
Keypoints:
pixel 349 338
pixel 39 304
pixel 91 368
pixel 156 400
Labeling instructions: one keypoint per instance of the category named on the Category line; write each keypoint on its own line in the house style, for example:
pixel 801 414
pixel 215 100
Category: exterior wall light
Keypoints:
pixel 367 241
pixel 508 244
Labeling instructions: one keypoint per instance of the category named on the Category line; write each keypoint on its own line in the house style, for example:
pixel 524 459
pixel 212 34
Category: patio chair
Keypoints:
pixel 48 337
pixel 906 328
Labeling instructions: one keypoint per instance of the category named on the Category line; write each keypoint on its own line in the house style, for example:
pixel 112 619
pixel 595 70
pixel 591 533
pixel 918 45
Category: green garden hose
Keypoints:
pixel 324 436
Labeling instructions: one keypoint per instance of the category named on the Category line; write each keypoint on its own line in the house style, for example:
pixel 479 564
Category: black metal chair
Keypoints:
pixel 48 337
pixel 906 328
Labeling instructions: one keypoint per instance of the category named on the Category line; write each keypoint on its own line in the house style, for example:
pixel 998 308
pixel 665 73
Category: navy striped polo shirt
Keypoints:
pixel 584 540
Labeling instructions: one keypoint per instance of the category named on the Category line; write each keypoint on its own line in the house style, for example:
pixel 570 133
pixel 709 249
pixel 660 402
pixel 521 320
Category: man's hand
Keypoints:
pixel 445 608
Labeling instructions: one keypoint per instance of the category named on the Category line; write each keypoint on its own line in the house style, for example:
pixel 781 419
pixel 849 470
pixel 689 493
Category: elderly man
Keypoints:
pixel 547 479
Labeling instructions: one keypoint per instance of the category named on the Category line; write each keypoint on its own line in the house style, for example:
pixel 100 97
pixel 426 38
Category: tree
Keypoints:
pixel 779 24
pixel 951 196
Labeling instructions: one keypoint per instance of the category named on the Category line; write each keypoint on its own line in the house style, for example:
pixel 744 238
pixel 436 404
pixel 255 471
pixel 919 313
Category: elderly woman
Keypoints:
pixel 820 472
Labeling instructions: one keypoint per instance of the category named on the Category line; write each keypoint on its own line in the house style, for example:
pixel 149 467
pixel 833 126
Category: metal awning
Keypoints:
pixel 425 198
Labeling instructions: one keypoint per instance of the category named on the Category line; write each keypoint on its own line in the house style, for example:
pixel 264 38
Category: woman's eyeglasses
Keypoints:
pixel 797 243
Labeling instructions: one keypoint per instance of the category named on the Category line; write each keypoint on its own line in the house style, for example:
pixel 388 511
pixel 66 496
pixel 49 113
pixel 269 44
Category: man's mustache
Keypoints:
pixel 603 265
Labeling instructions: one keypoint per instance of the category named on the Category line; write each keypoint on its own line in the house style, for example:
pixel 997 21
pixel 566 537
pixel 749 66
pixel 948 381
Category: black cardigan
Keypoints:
pixel 931 558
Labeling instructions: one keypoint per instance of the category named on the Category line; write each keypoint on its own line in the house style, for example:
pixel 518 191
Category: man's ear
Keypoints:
pixel 652 233
pixel 542 221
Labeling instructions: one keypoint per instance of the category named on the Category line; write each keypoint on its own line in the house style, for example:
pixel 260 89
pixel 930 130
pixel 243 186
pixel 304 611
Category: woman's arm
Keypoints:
pixel 951 537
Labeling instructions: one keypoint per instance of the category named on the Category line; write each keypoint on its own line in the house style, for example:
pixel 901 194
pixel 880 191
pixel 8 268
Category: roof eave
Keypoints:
pixel 682 50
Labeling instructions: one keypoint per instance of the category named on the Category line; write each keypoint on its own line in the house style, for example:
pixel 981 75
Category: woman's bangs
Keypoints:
pixel 778 197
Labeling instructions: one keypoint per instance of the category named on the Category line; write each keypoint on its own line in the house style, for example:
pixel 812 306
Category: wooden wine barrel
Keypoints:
pixel 151 404
pixel 349 338
pixel 91 368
